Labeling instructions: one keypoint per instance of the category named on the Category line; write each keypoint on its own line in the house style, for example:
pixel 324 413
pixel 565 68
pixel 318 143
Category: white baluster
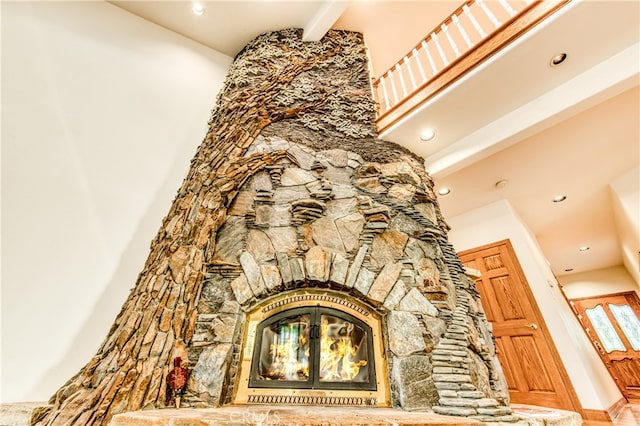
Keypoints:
pixel 413 80
pixel 384 93
pixel 434 36
pixel 472 18
pixel 425 47
pixel 402 85
pixel 422 74
pixel 465 36
pixel 393 87
pixel 490 15
pixel 506 6
pixel 445 29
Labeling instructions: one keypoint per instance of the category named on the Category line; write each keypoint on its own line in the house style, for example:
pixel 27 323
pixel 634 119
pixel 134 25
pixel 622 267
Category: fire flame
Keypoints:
pixel 286 364
pixel 339 358
pixel 338 354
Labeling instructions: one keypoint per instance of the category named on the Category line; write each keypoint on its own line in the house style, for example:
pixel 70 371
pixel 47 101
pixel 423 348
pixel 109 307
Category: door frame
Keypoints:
pixel 544 330
pixel 591 341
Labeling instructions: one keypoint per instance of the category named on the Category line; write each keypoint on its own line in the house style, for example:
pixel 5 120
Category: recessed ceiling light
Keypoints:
pixel 558 59
pixel 559 198
pixel 427 135
pixel 584 248
pixel 198 8
pixel 444 191
pixel 501 183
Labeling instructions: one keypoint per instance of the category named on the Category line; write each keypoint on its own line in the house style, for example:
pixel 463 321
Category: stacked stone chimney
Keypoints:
pixel 291 189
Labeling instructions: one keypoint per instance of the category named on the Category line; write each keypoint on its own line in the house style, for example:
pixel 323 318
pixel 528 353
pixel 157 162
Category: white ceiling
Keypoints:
pixel 226 26
pixel 567 130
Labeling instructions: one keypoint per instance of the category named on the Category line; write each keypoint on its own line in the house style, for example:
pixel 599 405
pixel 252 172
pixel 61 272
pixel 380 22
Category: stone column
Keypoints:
pixel 266 84
pixel 292 144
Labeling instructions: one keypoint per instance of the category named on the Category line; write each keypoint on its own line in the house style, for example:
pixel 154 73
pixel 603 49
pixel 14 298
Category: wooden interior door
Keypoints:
pixel 613 326
pixel 529 359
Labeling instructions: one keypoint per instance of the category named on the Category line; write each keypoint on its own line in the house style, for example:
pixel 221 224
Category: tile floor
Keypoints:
pixel 629 416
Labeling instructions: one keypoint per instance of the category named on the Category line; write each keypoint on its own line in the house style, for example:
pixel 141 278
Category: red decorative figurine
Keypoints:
pixel 177 382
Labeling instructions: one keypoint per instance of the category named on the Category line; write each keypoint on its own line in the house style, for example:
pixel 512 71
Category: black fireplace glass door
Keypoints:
pixel 343 350
pixel 313 348
pixel 283 349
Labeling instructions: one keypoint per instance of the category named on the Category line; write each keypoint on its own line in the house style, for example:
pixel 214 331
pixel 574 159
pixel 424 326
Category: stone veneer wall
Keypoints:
pixel 290 188
pixel 331 219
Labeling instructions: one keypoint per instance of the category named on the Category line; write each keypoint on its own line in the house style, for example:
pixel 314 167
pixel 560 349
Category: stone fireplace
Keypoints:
pixel 303 262
pixel 332 284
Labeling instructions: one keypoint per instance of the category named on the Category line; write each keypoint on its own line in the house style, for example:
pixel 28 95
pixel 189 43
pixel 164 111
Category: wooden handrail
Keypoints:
pixel 391 110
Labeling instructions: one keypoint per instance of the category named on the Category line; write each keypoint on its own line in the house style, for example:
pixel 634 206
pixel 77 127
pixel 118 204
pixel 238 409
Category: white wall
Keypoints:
pixel 101 114
pixel 498 221
pixel 598 282
pixel 625 194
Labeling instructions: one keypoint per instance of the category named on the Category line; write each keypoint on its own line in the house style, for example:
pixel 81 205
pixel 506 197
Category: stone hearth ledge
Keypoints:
pixel 276 415
pixel 356 416
pixel 18 414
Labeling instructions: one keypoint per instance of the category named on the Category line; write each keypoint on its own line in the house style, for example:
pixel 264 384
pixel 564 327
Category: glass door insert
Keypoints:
pixel 313 348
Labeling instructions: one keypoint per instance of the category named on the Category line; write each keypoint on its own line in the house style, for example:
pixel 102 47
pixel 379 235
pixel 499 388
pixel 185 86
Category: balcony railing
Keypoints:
pixel 474 32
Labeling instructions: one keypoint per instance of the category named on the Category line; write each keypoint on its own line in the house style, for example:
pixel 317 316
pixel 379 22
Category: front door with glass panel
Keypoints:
pixel 313 348
pixel 613 326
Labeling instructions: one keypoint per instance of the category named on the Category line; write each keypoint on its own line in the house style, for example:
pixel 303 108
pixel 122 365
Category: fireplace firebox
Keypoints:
pixel 313 347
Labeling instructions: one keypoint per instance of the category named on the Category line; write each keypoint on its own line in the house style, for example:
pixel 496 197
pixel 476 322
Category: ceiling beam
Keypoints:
pixel 324 19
